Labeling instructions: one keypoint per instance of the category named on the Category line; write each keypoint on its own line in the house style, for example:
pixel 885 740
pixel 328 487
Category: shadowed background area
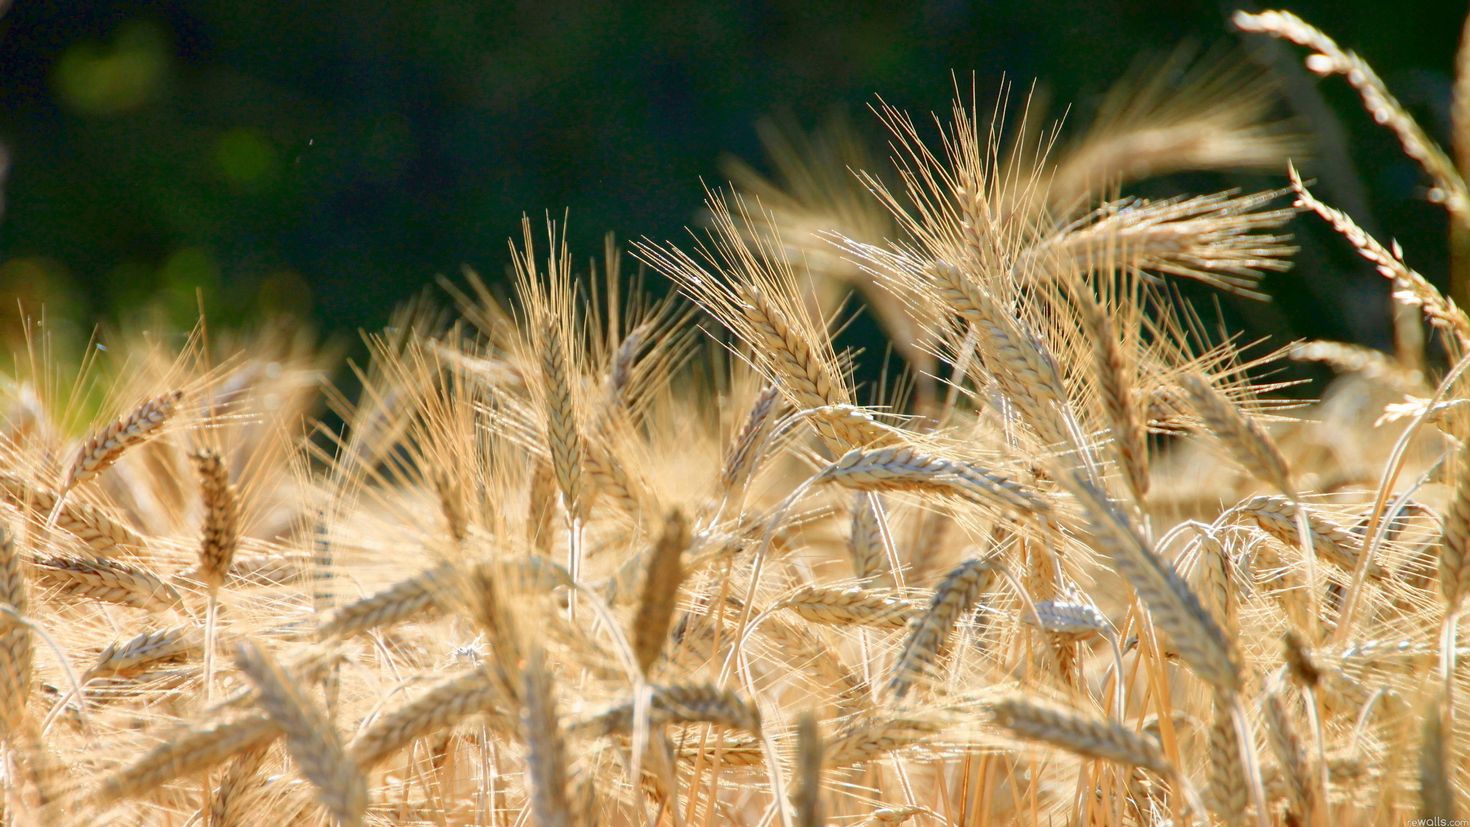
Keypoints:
pixel 331 158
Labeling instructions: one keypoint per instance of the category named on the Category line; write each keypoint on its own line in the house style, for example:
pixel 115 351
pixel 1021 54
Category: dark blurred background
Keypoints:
pixel 331 158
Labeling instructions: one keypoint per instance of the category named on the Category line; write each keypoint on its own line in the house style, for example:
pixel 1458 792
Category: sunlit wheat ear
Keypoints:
pixel 660 591
pixel 1228 791
pixel 1454 556
pixel 1215 581
pixel 1436 789
pixel 563 432
pixel 440 707
pixel 1277 516
pixel 100 532
pixel 902 467
pixel 107 446
pixel 1176 610
pixel 1248 443
pixel 540 505
pixel 1115 390
pixel 1019 361
pixel 1071 731
pixel 1281 735
pixel 870 738
pixel 743 455
pixel 1367 362
pixel 110 581
pixel 452 506
pixel 686 703
pixel 1410 287
pixel 192 750
pixel 229 806
pixel 850 607
pixel 865 541
pixel 411 597
pixel 221 531
pixel 807 378
pixel 807 798
pixel 929 633
pixel 310 739
pixel 16 655
pixel 1330 59
pixel 1063 618
pixel 546 760
pixel 145 650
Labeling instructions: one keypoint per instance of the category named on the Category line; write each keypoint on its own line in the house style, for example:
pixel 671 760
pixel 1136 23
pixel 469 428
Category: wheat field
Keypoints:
pixel 577 555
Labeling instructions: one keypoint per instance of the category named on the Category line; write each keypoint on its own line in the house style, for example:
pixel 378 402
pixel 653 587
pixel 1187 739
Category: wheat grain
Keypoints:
pixel 95 528
pixel 1277 516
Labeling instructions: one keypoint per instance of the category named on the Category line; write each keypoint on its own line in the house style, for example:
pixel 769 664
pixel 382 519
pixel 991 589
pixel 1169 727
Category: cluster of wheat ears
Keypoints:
pixel 581 557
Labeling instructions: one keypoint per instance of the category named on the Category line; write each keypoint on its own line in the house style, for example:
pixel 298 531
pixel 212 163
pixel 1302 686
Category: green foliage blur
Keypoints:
pixel 331 158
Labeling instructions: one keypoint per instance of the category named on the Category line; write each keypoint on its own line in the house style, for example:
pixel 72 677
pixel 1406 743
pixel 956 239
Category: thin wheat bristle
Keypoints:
pixel 929 632
pixel 220 534
pixel 110 581
pixel 310 738
pixel 108 445
pixel 660 591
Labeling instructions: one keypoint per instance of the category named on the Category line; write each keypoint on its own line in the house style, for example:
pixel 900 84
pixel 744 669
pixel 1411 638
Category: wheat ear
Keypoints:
pixel 187 752
pixel 867 739
pixel 227 807
pixel 1079 734
pixel 660 591
pixel 16 654
pixel 106 446
pixel 680 704
pixel 440 707
pixel 1115 386
pixel 1199 639
pixel 850 607
pixel 136 654
pixel 411 597
pixel 98 531
pixel 310 738
pixel 928 634
pixel 110 581
pixel 546 762
pixel 563 433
